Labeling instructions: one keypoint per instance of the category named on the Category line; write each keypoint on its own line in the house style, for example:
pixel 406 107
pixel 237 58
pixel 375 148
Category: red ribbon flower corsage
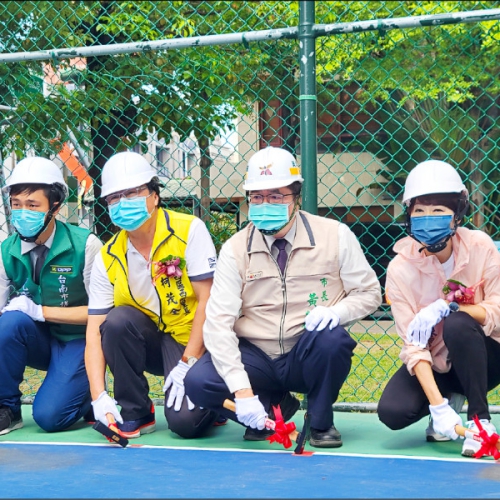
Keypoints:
pixel 458 292
pixel 170 266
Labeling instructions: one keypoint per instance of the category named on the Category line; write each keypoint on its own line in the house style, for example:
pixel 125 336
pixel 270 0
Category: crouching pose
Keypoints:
pixel 444 290
pixel 44 275
pixel 283 290
pixel 148 291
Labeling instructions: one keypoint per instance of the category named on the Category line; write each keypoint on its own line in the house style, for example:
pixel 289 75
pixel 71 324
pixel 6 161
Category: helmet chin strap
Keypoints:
pixel 440 245
pixel 436 247
pixel 48 218
pixel 272 232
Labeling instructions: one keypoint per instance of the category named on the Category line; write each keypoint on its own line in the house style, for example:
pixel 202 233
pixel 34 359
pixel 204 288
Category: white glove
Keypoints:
pixel 106 404
pixel 250 412
pixel 175 380
pixel 444 419
pixel 420 329
pixel 25 305
pixel 319 318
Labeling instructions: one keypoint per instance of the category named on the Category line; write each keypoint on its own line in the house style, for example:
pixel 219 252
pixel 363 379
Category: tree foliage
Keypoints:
pixel 119 99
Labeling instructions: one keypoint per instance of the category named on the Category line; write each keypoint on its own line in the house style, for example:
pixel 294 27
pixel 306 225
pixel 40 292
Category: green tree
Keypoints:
pixel 120 98
pixel 436 87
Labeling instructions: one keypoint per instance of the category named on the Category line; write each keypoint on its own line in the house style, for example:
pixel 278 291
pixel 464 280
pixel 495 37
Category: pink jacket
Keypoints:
pixel 415 281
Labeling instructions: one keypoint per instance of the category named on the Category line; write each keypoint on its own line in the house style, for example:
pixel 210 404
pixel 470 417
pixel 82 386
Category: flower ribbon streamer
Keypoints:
pixel 455 291
pixel 488 443
pixel 282 429
pixel 170 267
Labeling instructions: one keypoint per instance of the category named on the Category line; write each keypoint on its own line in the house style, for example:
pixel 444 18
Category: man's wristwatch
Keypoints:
pixel 189 360
pixel 454 307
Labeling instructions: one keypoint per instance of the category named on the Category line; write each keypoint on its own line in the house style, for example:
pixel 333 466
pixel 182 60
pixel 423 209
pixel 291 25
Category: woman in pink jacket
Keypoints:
pixel 451 332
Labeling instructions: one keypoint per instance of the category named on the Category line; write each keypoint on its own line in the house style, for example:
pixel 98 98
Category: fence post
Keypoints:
pixel 308 98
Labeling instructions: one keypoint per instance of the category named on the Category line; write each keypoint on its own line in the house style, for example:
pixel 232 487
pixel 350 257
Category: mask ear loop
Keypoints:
pixel 267 232
pixel 48 217
pixel 463 205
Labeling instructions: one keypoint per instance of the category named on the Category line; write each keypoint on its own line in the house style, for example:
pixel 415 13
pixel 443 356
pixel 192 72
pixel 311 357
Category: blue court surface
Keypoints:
pixel 108 471
pixel 374 462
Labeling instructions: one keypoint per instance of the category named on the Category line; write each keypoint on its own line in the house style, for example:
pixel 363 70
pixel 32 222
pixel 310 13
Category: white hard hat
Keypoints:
pixel 37 170
pixel 432 177
pixel 271 168
pixel 125 171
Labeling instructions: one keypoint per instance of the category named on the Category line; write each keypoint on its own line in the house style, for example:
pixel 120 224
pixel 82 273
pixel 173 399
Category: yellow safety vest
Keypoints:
pixel 177 298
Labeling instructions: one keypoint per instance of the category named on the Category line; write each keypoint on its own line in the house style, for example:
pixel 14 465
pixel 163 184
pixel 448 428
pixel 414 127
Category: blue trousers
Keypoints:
pixel 317 365
pixel 64 396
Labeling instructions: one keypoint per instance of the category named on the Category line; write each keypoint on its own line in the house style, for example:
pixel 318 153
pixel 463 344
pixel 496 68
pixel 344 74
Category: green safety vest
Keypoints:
pixel 61 277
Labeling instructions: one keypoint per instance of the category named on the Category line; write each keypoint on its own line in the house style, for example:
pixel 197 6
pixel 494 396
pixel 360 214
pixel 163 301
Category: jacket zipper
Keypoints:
pixel 283 312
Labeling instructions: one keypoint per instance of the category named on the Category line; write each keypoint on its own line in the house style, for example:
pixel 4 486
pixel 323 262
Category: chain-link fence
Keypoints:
pixel 360 92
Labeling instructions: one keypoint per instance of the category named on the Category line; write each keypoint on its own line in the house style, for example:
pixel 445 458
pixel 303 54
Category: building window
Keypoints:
pixel 343 122
pixel 163 158
pixel 271 124
pixel 173 164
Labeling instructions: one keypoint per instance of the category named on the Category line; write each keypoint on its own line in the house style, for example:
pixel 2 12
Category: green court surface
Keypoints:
pixel 362 434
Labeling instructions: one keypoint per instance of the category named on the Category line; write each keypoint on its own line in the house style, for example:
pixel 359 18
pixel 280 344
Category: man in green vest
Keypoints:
pixel 44 278
pixel 148 291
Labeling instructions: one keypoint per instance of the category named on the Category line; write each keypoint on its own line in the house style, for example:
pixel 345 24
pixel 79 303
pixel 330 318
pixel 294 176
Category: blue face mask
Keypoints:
pixel 269 216
pixel 130 214
pixel 28 223
pixel 431 229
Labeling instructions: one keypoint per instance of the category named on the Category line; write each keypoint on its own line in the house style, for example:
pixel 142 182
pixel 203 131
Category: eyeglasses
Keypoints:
pixel 273 199
pixel 127 193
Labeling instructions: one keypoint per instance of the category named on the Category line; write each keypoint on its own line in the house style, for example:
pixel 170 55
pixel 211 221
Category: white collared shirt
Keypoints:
pixel 200 259
pixel 289 237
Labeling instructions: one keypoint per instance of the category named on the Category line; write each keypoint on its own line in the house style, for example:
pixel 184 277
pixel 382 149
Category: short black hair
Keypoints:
pixel 154 185
pixel 449 200
pixel 55 193
pixel 296 188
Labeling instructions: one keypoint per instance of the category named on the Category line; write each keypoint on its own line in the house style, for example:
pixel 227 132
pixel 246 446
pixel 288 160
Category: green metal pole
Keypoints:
pixel 308 113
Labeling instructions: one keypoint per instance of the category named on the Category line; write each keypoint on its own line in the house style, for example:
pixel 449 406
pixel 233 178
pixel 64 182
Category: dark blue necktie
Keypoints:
pixel 41 253
pixel 282 257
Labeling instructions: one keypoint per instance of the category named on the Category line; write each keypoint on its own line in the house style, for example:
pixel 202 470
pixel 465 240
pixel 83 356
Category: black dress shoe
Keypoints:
pixel 325 439
pixel 89 416
pixel 256 435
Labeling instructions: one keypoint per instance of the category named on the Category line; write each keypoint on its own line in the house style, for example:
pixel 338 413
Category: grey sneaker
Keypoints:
pixel 456 402
pixel 9 420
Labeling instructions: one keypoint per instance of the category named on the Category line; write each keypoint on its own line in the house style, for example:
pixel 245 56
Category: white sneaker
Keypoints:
pixel 471 446
pixel 456 402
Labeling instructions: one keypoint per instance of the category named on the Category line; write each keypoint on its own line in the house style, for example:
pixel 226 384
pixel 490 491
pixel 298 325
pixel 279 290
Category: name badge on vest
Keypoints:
pixel 61 269
pixel 252 276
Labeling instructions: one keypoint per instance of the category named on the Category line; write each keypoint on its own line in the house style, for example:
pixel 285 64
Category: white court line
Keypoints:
pixel 240 450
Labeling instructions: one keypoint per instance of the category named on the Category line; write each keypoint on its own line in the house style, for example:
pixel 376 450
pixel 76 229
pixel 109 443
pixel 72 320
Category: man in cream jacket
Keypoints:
pixel 285 287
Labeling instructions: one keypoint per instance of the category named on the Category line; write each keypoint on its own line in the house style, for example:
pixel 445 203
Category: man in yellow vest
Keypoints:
pixel 148 291
pixel 286 268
